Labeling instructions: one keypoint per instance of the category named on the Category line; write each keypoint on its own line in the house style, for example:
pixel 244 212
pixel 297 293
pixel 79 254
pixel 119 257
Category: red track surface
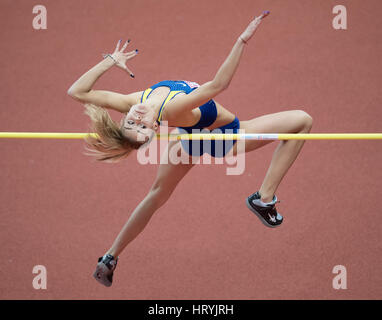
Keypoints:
pixel 61 210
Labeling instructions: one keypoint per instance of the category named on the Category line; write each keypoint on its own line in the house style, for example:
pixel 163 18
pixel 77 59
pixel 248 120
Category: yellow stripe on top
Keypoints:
pixel 145 94
pixel 171 95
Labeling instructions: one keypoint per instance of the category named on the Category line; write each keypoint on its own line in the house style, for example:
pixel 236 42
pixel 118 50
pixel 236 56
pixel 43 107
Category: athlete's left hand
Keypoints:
pixel 252 27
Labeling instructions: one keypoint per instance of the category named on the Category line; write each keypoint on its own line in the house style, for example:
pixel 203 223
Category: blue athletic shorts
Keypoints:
pixel 216 148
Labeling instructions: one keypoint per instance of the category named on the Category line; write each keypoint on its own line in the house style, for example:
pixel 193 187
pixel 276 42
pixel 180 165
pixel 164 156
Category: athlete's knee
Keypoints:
pixel 306 120
pixel 159 194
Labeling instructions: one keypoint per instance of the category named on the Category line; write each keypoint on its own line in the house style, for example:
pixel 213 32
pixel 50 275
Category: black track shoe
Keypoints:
pixel 267 214
pixel 105 269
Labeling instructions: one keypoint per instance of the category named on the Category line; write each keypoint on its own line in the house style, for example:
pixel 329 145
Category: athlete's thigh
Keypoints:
pixel 170 172
pixel 291 121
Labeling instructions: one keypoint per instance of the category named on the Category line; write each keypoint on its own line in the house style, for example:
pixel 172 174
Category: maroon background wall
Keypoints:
pixel 61 210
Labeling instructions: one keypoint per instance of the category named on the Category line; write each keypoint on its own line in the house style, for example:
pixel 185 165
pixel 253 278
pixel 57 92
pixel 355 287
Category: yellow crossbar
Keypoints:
pixel 207 136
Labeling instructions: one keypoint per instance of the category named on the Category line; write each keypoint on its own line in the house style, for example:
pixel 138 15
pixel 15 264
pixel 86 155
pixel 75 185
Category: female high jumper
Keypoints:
pixel 188 106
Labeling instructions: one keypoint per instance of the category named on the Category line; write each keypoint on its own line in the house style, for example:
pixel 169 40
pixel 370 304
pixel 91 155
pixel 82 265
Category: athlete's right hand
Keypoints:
pixel 121 57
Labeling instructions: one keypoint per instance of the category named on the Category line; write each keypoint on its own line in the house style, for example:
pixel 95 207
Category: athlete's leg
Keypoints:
pixel 294 121
pixel 167 178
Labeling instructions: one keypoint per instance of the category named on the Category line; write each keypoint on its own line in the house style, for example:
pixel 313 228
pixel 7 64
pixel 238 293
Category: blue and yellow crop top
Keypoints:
pixel 208 110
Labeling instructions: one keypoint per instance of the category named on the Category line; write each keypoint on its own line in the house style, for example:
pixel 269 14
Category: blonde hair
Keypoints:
pixel 111 145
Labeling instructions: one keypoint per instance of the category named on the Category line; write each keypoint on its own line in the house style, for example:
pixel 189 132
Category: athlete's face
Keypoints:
pixel 139 123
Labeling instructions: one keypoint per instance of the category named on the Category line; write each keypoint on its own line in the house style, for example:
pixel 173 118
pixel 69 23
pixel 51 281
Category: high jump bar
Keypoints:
pixel 207 136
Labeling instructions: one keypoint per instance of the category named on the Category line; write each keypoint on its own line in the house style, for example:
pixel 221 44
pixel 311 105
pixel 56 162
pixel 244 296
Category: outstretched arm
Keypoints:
pixel 225 74
pixel 82 91
pixel 222 78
